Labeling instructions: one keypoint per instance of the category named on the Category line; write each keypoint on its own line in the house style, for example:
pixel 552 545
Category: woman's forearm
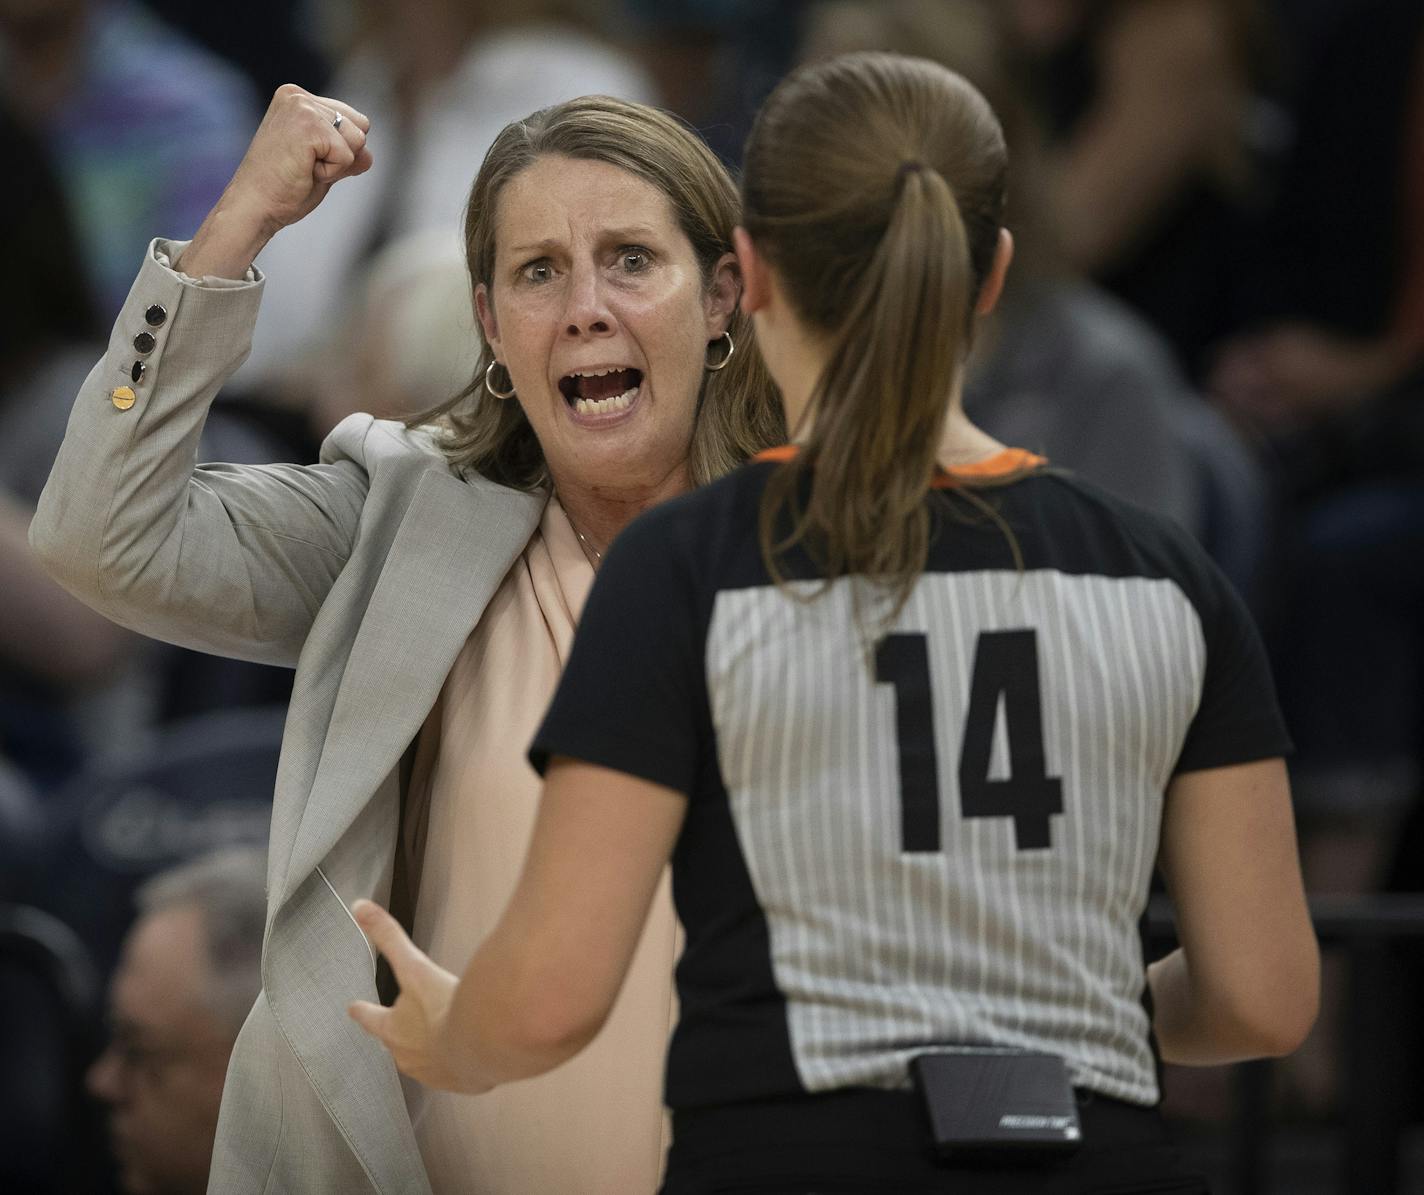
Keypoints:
pixel 1195 1029
pixel 512 1015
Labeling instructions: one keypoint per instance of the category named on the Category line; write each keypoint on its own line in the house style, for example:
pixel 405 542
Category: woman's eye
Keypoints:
pixel 538 271
pixel 635 260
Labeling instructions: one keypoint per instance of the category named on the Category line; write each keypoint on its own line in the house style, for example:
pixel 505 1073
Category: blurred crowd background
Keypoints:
pixel 1217 310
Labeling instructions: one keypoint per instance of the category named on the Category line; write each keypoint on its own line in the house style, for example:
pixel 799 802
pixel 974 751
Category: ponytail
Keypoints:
pixel 874 184
pixel 880 405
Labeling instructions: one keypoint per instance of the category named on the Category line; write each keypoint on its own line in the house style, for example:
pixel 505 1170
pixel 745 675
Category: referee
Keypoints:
pixel 914 716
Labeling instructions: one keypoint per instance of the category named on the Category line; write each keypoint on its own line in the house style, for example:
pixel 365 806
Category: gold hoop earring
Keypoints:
pixel 722 364
pixel 498 393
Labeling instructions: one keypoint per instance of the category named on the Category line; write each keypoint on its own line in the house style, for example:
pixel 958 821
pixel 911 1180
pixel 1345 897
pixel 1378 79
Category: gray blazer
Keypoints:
pixel 366 573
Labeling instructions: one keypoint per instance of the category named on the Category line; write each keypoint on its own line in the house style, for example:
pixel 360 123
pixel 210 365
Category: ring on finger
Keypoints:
pixel 336 121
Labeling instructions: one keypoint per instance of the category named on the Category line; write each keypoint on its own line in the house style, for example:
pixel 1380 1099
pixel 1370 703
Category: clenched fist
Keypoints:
pixel 305 144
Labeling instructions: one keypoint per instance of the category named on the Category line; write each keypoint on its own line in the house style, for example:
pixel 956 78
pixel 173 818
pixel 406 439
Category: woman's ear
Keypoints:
pixel 998 270
pixel 489 325
pixel 722 295
pixel 756 276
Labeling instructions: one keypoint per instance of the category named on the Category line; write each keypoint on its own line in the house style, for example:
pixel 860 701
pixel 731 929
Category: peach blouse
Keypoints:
pixel 595 1124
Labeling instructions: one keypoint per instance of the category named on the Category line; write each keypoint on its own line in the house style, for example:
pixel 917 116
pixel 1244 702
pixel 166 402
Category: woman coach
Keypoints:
pixel 424 581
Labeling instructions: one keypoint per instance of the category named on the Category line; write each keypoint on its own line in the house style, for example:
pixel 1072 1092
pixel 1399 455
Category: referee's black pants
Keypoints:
pixel 866 1142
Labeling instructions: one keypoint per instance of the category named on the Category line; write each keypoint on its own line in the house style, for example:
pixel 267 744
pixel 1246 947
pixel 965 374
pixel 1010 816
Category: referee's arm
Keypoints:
pixel 1245 982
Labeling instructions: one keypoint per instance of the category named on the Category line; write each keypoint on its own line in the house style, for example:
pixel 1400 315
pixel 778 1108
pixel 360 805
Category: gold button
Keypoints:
pixel 123 398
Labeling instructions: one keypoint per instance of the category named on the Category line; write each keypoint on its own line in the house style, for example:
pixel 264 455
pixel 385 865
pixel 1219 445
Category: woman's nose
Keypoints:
pixel 587 312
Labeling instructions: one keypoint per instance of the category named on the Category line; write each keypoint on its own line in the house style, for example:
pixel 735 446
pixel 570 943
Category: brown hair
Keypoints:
pixel 971 38
pixel 874 185
pixel 737 414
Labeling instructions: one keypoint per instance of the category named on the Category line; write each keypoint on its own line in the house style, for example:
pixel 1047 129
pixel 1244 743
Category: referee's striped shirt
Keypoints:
pixel 944 836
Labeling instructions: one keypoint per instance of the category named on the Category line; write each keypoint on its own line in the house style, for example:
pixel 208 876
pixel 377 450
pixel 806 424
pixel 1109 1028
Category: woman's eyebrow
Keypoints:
pixel 536 248
pixel 622 234
pixel 630 232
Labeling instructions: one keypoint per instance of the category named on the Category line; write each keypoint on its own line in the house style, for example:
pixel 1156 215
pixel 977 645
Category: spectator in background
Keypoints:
pixel 1333 377
pixel 438 79
pixel 1151 112
pixel 1062 367
pixel 199 785
pixel 1336 312
pixel 271 41
pixel 144 127
pixel 52 648
pixel 190 970
pixel 714 61
pixel 21 828
pixel 73 685
pixel 408 341
pixel 51 329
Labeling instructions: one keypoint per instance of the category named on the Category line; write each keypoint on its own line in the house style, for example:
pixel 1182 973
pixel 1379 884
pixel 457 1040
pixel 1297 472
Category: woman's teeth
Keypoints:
pixel 606 406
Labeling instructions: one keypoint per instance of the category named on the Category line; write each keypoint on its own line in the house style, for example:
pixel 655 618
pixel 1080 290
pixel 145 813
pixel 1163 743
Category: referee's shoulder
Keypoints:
pixel 1075 488
pixel 1077 508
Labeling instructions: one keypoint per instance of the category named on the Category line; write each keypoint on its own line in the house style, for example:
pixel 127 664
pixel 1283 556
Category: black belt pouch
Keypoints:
pixel 997 1104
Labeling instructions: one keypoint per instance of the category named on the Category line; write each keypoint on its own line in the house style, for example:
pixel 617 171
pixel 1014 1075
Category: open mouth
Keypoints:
pixel 603 391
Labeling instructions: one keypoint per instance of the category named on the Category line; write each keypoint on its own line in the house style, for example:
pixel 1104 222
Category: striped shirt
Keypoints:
pixel 942 836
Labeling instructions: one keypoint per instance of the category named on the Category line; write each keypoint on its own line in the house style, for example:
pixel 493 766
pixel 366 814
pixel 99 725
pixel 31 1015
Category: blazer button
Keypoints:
pixel 144 343
pixel 138 370
pixel 155 315
pixel 123 398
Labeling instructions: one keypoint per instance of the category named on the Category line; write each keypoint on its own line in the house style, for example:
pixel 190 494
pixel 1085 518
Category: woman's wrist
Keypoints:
pixel 228 241
pixel 458 1050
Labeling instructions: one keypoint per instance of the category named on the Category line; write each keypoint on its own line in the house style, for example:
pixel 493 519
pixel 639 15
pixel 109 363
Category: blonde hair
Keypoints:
pixel 737 414
pixel 874 184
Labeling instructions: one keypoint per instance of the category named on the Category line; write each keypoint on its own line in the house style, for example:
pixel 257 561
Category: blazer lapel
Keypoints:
pixel 455 545
pixel 456 542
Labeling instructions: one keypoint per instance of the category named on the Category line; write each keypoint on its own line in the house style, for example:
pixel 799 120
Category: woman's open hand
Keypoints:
pixel 305 144
pixel 412 1028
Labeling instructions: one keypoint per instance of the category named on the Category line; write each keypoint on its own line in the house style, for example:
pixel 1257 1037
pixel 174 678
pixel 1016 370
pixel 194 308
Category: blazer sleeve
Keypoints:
pixel 223 558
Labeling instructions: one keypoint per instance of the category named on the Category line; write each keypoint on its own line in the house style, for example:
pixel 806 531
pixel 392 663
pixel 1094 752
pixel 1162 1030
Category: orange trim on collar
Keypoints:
pixel 1000 464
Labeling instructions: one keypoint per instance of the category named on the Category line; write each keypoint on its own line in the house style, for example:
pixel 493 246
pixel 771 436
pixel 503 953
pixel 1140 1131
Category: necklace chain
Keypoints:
pixel 597 555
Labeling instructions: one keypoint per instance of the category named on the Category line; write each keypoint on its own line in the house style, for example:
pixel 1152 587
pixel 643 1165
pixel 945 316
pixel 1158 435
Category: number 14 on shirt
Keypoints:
pixel 1005 666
